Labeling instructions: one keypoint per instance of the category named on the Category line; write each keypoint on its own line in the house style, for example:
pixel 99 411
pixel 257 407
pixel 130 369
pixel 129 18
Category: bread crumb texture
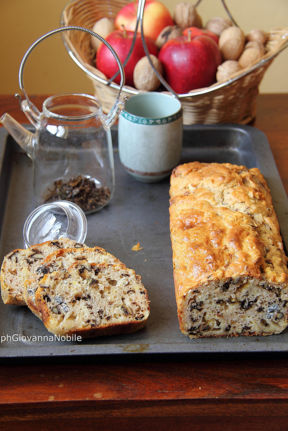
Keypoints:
pixel 92 299
pixel 20 263
pixel 76 290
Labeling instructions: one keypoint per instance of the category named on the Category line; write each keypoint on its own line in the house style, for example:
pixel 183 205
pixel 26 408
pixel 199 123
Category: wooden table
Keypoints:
pixel 207 393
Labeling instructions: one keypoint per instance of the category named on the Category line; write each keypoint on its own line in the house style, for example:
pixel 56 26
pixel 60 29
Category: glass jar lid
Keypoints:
pixel 61 219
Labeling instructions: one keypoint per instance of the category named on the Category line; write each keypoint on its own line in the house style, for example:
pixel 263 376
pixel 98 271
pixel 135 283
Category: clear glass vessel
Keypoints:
pixel 53 221
pixel 73 158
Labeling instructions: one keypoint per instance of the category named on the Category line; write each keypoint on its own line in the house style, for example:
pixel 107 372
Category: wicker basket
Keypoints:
pixel 232 101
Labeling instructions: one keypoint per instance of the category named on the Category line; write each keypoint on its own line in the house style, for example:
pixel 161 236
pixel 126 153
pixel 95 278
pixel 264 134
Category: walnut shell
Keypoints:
pixel 186 15
pixel 252 53
pixel 257 36
pixel 257 45
pixel 144 76
pixel 218 24
pixel 103 27
pixel 227 69
pixel 231 43
pixel 169 32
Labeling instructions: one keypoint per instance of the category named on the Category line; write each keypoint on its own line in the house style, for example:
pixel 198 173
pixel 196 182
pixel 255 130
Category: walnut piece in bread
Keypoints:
pixel 230 270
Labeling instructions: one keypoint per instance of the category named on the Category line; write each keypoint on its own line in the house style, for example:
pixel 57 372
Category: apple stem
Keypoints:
pixel 124 30
pixel 189 35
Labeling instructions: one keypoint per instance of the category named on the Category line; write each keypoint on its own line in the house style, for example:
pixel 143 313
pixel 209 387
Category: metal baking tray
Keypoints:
pixel 137 213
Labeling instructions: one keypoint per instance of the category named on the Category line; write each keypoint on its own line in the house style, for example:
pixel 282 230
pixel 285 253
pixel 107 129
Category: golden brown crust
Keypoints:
pixel 223 226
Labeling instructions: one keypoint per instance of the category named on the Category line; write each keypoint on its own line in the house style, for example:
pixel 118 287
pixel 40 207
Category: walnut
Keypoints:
pixel 257 36
pixel 257 45
pixel 227 69
pixel 169 32
pixel 218 24
pixel 252 53
pixel 231 43
pixel 103 27
pixel 186 15
pixel 144 76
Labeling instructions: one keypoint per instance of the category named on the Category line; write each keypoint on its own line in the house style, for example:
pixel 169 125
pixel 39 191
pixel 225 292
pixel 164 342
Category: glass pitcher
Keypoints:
pixel 71 148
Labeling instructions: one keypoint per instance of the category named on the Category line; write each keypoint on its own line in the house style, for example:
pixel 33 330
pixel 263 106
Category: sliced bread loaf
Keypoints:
pixel 61 260
pixel 92 299
pixel 20 263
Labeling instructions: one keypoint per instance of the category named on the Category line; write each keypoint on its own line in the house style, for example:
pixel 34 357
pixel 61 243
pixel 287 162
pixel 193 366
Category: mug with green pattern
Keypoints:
pixel 150 135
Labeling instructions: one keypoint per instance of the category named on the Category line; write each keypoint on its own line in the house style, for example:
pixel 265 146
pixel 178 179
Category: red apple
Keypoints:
pixel 156 17
pixel 190 63
pixel 195 31
pixel 121 42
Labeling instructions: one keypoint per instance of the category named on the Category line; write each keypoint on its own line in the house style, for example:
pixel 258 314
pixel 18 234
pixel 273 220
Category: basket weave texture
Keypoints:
pixel 233 101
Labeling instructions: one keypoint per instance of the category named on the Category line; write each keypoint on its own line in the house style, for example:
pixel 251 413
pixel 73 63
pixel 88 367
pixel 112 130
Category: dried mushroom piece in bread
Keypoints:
pixel 230 270
pixel 61 260
pixel 19 264
pixel 93 299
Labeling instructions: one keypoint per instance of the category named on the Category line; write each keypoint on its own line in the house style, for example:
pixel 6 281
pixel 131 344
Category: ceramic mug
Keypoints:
pixel 150 135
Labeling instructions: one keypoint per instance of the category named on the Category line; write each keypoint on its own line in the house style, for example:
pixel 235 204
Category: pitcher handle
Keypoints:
pixel 29 106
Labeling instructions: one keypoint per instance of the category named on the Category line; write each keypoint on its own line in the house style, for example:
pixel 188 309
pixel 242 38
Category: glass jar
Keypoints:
pixel 73 154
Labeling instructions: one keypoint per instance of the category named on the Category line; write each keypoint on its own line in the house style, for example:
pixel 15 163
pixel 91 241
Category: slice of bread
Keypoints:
pixel 61 260
pixel 92 299
pixel 20 263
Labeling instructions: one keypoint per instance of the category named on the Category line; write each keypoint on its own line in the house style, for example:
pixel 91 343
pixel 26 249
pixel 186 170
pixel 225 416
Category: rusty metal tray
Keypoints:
pixel 137 213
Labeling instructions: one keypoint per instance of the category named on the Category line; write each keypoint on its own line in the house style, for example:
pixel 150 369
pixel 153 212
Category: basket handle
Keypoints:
pixel 33 109
pixel 139 19
pixel 140 11
pixel 228 13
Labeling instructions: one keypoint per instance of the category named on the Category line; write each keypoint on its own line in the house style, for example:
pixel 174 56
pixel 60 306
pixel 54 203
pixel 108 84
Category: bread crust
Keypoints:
pixel 224 228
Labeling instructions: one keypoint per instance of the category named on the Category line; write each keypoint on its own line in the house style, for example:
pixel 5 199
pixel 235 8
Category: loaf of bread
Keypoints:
pixel 19 264
pixel 230 270
pixel 92 299
pixel 59 260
